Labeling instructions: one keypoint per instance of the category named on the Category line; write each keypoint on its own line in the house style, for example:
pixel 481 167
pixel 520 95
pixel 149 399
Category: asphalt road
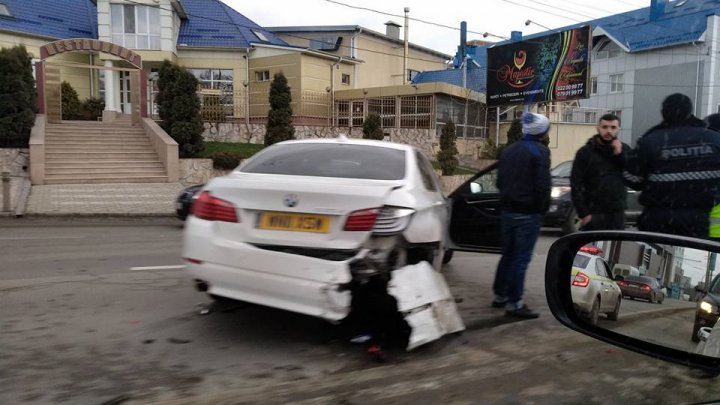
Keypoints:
pixel 96 311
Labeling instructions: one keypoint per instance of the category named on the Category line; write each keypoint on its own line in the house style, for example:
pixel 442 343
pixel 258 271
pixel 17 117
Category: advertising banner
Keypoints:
pixel 550 68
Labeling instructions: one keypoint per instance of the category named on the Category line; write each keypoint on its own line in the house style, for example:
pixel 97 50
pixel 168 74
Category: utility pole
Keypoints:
pixel 405 53
pixel 710 269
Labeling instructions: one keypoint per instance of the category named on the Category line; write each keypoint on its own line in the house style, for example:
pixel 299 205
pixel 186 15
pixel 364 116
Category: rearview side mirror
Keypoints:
pixel 632 312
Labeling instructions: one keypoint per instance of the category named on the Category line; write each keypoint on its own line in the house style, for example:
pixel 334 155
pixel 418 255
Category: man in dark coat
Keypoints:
pixel 524 184
pixel 596 180
pixel 676 164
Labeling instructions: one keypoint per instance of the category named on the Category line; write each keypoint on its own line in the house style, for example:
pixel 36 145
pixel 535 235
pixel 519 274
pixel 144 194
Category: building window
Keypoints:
pixel 260 35
pixel 346 79
pixel 135 26
pixel 616 83
pixel 262 76
pixel 617 113
pixel 5 11
pixel 216 92
pixel 326 43
pixel 591 117
pixel 412 74
pixel 593 85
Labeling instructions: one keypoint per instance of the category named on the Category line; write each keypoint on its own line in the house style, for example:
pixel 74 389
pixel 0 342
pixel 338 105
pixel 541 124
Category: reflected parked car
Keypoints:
pixel 593 289
pixel 643 287
pixel 562 214
pixel 185 199
pixel 707 311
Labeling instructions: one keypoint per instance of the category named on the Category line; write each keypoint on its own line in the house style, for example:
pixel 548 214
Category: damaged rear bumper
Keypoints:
pixel 325 288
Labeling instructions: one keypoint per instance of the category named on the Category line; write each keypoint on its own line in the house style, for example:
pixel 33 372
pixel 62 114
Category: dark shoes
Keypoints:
pixel 497 304
pixel 522 312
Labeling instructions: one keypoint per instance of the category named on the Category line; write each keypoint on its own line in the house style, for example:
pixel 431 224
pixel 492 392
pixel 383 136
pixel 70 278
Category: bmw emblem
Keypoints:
pixel 290 200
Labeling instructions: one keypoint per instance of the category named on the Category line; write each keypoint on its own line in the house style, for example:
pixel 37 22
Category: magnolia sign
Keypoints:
pixel 554 67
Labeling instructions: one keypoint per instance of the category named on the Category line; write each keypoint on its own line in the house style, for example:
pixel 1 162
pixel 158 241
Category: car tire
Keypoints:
pixel 448 256
pixel 221 299
pixel 594 312
pixel 571 223
pixel 652 299
pixel 613 316
pixel 696 328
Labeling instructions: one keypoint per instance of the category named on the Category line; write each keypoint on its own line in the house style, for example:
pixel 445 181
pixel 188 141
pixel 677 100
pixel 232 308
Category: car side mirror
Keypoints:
pixel 475 188
pixel 651 323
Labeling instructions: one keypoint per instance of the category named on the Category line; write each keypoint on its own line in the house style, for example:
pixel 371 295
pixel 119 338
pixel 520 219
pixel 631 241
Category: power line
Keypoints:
pixel 542 11
pixel 569 11
pixel 372 10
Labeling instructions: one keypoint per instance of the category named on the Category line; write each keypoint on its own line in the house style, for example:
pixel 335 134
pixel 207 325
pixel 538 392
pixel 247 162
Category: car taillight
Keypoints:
pixel 361 220
pixel 581 280
pixel 622 284
pixel 646 288
pixel 212 208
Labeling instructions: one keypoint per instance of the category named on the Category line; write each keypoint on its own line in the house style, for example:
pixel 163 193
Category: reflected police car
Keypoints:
pixel 593 289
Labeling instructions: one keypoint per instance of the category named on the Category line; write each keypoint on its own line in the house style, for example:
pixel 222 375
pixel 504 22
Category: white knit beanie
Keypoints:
pixel 534 124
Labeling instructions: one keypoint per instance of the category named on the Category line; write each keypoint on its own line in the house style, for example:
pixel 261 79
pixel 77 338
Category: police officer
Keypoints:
pixel 676 165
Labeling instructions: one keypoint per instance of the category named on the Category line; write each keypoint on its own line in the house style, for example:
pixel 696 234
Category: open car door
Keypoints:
pixel 474 224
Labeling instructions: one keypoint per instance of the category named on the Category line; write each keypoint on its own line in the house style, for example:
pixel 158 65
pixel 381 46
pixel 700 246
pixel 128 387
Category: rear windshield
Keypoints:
pixel 640 279
pixel 562 170
pixel 581 261
pixel 330 160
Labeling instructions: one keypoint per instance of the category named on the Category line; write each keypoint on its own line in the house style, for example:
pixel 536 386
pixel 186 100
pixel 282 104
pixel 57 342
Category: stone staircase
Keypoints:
pixel 88 152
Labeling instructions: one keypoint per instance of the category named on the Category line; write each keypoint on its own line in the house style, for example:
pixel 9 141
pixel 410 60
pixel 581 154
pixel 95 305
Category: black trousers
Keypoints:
pixel 605 221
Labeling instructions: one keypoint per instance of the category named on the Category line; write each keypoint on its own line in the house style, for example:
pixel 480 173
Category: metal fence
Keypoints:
pixel 414 112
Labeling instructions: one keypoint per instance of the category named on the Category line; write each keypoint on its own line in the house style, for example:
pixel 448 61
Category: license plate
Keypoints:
pixel 282 221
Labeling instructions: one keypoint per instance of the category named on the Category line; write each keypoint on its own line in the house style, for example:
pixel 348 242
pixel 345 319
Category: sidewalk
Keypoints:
pixel 117 199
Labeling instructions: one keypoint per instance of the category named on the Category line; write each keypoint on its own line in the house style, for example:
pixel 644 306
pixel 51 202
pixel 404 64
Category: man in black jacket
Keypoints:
pixel 596 180
pixel 676 164
pixel 524 184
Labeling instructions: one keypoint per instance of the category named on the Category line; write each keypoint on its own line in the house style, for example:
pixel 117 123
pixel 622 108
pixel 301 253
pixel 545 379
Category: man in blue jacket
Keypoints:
pixel 524 184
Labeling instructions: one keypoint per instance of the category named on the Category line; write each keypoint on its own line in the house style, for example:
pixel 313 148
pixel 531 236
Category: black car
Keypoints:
pixel 562 213
pixel 185 200
pixel 643 287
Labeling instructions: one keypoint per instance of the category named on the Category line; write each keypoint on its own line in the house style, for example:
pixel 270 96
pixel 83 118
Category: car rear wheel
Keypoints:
pixel 652 298
pixel 594 312
pixel 613 316
pixel 571 223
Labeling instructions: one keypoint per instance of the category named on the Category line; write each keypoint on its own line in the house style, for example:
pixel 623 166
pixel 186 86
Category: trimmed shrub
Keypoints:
pixel 179 108
pixel 93 107
pixel 279 123
pixel 372 128
pixel 226 160
pixel 446 155
pixel 18 103
pixel 70 102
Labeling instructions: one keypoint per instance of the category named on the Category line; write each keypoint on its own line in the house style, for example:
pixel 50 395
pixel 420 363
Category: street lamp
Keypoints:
pixel 487 34
pixel 528 22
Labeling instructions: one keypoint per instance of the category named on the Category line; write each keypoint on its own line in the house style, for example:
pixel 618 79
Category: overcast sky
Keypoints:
pixel 497 17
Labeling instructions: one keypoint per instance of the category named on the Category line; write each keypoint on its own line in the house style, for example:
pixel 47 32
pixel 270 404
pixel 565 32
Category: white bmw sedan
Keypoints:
pixel 302 223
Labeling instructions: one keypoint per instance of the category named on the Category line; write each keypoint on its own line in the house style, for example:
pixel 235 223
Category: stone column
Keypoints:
pixel 110 112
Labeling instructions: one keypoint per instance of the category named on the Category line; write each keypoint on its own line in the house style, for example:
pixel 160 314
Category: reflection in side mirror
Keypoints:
pixel 475 188
pixel 656 300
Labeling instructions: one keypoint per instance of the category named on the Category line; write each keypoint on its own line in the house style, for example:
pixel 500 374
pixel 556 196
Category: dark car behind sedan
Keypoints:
pixel 707 311
pixel 185 199
pixel 643 287
pixel 562 213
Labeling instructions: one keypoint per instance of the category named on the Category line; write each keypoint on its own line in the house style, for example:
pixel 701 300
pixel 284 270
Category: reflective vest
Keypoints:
pixel 715 222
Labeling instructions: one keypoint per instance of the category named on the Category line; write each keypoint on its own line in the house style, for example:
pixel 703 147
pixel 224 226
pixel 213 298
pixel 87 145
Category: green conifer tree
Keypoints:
pixel 446 156
pixel 279 123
